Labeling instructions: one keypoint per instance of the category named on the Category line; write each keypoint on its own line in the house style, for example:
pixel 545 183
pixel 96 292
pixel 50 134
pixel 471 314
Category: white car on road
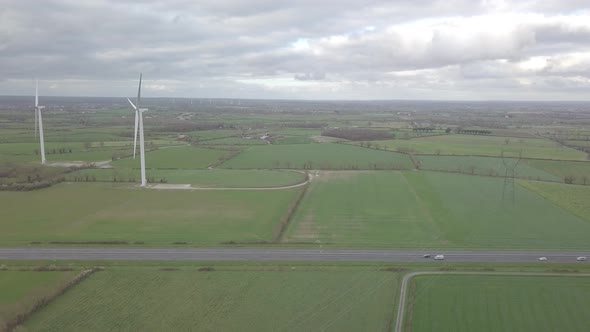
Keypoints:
pixel 543 258
pixel 581 259
pixel 439 257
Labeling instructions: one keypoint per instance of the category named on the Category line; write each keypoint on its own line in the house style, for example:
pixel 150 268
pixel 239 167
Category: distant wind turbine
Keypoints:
pixel 39 119
pixel 139 121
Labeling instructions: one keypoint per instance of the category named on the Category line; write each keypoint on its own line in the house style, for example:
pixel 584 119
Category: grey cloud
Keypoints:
pixel 217 43
pixel 312 76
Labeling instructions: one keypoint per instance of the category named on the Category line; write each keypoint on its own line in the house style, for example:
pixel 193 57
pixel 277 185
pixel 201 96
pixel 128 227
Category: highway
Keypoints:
pixel 286 254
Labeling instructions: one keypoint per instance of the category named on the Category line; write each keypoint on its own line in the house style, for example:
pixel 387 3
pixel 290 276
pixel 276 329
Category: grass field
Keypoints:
pixel 490 166
pixel 363 209
pixel 327 299
pixel 185 157
pixel 198 177
pixel 20 290
pixel 25 152
pixel 560 169
pixel 499 303
pixel 234 141
pixel 423 209
pixel 108 212
pixel 318 156
pixel 569 197
pixel 483 146
pixel 293 140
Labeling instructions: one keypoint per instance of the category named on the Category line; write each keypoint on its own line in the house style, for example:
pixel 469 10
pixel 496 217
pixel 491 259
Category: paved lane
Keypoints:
pixel 283 254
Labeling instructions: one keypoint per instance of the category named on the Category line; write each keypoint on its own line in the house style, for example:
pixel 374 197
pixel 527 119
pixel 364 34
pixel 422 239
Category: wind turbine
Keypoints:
pixel 39 119
pixel 139 121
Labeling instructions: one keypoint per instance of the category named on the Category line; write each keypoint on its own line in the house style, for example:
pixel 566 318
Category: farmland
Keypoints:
pixel 317 156
pixel 197 177
pixel 498 303
pixel 490 166
pixel 230 300
pixel 98 212
pixel 268 177
pixel 571 198
pixel 578 171
pixel 409 209
pixel 483 146
pixel 184 157
pixel 22 289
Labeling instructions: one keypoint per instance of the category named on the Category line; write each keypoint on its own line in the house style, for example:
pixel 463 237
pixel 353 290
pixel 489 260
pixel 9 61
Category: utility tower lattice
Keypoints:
pixel 510 164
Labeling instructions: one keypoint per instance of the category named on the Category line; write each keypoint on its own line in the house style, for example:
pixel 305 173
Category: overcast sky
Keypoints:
pixel 308 49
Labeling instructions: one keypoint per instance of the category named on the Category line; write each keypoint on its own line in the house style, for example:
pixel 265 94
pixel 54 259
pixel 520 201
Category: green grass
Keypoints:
pixel 560 169
pixel 434 210
pixel 213 134
pixel 198 177
pixel 25 152
pixel 293 140
pixel 570 197
pixel 297 132
pixel 332 299
pixel 499 303
pixel 490 166
pixel 185 157
pixel 483 146
pixel 107 212
pixel 579 143
pixel 20 290
pixel 320 156
pixel 371 208
pixel 234 141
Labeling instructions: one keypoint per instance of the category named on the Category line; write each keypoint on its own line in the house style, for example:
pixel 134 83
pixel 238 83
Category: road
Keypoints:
pixel 284 254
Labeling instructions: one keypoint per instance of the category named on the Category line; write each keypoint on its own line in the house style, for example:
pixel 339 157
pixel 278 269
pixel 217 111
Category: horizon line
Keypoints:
pixel 319 100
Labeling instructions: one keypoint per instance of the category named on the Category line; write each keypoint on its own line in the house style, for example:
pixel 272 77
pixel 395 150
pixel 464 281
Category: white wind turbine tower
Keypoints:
pixel 39 119
pixel 139 121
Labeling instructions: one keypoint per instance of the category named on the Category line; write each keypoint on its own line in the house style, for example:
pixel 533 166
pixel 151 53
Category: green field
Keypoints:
pixel 234 141
pixel 185 157
pixel 109 212
pixel 569 197
pixel 423 209
pixel 20 290
pixel 293 140
pixel 196 177
pixel 560 169
pixel 317 156
pixel 490 166
pixel 483 146
pixel 141 299
pixel 498 303
pixel 25 152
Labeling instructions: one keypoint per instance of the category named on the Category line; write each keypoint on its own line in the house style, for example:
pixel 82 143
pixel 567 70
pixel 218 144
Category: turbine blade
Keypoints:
pixel 132 105
pixel 139 90
pixel 35 122
pixel 135 135
pixel 36 93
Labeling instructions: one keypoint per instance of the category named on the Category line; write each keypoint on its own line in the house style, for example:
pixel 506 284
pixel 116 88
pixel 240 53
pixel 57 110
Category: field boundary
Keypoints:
pixel 408 277
pixel 12 324
pixel 286 219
